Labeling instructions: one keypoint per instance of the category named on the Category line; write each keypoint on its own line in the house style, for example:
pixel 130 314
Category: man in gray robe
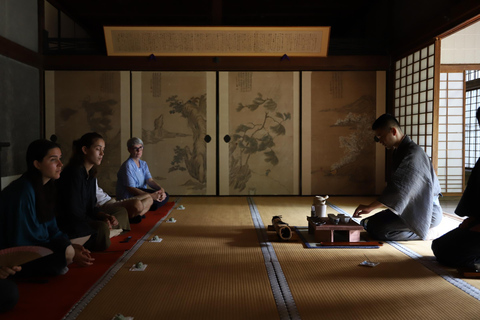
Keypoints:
pixel 411 194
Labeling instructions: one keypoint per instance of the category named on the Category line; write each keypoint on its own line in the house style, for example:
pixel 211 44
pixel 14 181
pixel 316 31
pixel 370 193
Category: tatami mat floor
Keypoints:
pixel 210 266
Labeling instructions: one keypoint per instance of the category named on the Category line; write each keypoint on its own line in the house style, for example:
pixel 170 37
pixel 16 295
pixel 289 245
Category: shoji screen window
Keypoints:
pixel 414 96
pixel 472 129
pixel 450 132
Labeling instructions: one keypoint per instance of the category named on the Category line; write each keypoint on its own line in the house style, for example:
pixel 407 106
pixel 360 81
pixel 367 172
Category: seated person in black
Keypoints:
pixel 27 218
pixel 79 216
pixel 460 248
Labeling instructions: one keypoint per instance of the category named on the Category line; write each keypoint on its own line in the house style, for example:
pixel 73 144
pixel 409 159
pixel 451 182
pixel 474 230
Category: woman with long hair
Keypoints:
pixel 80 216
pixel 28 209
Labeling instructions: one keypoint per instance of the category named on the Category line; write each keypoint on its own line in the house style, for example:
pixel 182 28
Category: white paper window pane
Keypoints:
pixel 423 64
pixel 398 64
pixel 429 118
pixel 442 120
pixel 443 85
pixel 441 171
pixel 455 137
pixel 431 72
pixel 455 162
pixel 397 103
pixel 442 128
pixel 442 162
pixel 421 118
pixel 455 111
pixel 414 130
pixel 410 59
pixel 409 90
pixel 415 100
pixel 442 137
pixel 455 128
pixel 430 106
pixel 409 100
pixel 455 94
pixel 442 94
pixel 415 106
pixel 430 84
pixel 421 140
pixel 416 77
pixel 423 97
pixel 409 80
pixel 442 154
pixel 455 145
pixel 429 138
pixel 455 102
pixel 408 130
pixel 422 130
pixel 416 87
pixel 429 152
pixel 455 85
pixel 423 74
pixel 430 95
pixel 454 171
pixel 431 60
pixel 402 82
pixel 455 76
pixel 455 120
pixel 443 76
pixel 429 129
pixel 416 66
pixel 404 72
pixel 423 86
pixel 404 62
pixel 455 153
pixel 409 68
pixel 416 56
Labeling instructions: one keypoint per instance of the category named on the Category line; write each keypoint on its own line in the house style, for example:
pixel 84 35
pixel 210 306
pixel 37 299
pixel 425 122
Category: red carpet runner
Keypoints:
pixel 53 299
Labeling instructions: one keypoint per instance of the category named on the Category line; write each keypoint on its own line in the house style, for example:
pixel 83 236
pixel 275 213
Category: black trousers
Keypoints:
pixel 459 248
pixel 8 294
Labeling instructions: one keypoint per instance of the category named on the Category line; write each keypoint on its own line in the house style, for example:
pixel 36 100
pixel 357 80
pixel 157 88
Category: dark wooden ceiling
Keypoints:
pixel 368 27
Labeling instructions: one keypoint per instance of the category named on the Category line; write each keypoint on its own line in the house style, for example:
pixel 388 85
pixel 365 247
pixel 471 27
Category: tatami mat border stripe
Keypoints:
pixel 286 306
pixel 95 289
pixel 432 265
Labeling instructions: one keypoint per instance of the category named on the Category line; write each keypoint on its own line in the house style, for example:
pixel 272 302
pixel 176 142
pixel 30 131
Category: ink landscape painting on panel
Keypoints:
pixel 343 109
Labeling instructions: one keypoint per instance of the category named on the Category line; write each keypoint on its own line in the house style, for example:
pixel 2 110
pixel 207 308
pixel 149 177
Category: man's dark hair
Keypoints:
pixel 385 121
pixel 478 115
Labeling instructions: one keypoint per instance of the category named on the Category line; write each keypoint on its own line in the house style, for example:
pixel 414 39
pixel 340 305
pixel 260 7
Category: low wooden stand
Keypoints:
pixel 325 232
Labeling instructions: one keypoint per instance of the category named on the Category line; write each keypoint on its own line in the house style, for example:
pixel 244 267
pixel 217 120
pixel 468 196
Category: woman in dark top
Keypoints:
pixel 27 218
pixel 80 217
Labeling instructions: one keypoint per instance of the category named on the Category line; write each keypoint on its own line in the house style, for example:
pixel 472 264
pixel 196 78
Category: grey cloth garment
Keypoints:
pixel 413 189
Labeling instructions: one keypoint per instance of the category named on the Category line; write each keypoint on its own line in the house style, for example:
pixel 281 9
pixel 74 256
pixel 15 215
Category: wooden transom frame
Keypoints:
pixel 217 41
